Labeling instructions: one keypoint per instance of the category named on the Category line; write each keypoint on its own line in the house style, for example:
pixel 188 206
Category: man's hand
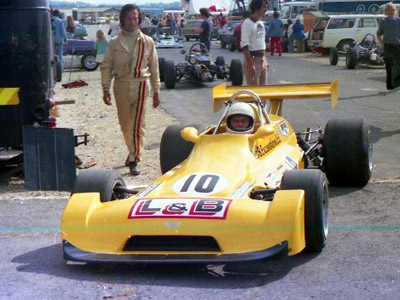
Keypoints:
pixel 252 70
pixel 107 97
pixel 156 100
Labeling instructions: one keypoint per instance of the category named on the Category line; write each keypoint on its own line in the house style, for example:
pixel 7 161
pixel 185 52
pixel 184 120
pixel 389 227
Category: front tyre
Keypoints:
pixel 347 152
pixel 161 68
pixel 333 56
pixel 105 181
pixel 351 59
pixel 315 186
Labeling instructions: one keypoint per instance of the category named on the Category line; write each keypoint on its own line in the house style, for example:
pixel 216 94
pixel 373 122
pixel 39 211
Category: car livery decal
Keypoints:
pixel 290 163
pixel 274 178
pixel 261 150
pixel 200 184
pixel 195 208
pixel 148 190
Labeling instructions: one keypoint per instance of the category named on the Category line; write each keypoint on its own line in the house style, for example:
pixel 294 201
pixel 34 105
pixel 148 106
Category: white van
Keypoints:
pixel 294 10
pixel 342 31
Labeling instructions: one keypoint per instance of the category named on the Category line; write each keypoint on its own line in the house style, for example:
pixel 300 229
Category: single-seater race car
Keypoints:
pixel 168 41
pixel 223 197
pixel 198 66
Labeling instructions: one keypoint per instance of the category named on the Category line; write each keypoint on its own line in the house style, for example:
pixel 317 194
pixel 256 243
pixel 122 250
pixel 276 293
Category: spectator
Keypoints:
pixel 290 36
pixel 389 28
pixel 253 45
pixel 70 27
pixel 131 58
pixel 205 28
pixel 181 25
pixel 155 20
pixel 275 32
pixel 145 25
pixel 60 36
pixel 222 21
pixel 237 33
pixel 170 23
pixel 299 36
pixel 114 27
pixel 101 46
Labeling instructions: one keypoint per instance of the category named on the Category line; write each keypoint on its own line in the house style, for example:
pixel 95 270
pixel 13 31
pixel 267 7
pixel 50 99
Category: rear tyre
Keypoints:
pixel 173 148
pixel 232 46
pixel 236 73
pixel 88 62
pixel 58 70
pixel 333 56
pixel 347 152
pixel 169 75
pixel 314 184
pixel 220 61
pixel 351 58
pixel 161 68
pixel 106 182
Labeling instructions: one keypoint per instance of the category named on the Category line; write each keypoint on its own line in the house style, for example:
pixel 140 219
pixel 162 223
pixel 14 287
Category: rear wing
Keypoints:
pixel 276 93
pixel 9 96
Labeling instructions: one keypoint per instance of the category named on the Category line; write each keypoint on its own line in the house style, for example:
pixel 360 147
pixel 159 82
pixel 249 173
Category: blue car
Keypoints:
pixel 85 50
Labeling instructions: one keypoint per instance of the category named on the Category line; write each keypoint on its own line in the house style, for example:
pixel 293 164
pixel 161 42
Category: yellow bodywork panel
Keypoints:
pixel 9 96
pixel 276 93
pixel 250 225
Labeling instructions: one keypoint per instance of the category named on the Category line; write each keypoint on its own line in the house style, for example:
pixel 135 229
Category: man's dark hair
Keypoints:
pixel 56 13
pixel 204 12
pixel 125 10
pixel 255 5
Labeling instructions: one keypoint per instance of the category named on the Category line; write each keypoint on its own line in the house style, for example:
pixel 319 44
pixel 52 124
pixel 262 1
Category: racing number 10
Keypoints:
pixel 204 184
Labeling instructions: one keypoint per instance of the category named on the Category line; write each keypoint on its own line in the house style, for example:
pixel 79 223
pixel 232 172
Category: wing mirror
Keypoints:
pixel 183 51
pixel 190 134
pixel 261 132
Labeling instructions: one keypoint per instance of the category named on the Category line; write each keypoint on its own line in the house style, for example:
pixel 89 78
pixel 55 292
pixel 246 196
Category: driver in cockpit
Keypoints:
pixel 239 118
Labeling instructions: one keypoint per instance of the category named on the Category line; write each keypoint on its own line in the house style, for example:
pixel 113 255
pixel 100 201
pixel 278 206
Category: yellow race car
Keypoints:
pixel 223 197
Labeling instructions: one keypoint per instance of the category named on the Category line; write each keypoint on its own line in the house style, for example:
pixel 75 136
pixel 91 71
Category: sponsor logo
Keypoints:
pixel 283 129
pixel 180 208
pixel 261 150
pixel 290 163
pixel 274 178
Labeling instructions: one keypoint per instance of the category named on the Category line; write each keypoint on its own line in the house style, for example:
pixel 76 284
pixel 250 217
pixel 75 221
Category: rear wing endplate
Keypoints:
pixel 276 93
pixel 9 96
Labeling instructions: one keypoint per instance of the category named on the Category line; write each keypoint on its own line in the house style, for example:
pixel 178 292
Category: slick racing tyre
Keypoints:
pixel 315 186
pixel 161 68
pixel 236 73
pixel 347 152
pixel 351 59
pixel 173 148
pixel 169 74
pixel 333 56
pixel 103 181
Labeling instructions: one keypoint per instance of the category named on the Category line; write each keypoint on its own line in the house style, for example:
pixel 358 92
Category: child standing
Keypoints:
pixel 101 46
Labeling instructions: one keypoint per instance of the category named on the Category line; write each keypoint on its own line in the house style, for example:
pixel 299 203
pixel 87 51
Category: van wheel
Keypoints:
pixel 345 45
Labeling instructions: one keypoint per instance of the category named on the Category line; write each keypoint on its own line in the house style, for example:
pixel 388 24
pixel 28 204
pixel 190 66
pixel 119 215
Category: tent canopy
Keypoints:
pixel 220 5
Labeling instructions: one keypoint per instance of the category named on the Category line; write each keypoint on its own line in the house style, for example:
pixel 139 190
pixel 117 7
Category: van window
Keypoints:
pixel 285 12
pixel 367 23
pixel 341 23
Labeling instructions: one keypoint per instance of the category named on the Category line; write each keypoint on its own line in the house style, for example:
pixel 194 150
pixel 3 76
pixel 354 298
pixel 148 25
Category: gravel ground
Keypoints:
pixel 106 147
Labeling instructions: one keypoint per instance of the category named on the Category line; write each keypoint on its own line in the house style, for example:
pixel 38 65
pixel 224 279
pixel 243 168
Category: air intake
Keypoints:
pixel 171 243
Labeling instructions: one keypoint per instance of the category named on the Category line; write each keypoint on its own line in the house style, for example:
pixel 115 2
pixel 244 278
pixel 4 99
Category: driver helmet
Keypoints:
pixel 236 117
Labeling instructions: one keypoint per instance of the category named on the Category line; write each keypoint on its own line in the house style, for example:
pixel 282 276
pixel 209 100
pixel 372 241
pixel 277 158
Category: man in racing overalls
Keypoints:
pixel 132 60
pixel 239 118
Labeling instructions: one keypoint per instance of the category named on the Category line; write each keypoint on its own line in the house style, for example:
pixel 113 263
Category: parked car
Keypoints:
pixel 101 20
pixel 226 35
pixel 83 49
pixel 196 23
pixel 342 31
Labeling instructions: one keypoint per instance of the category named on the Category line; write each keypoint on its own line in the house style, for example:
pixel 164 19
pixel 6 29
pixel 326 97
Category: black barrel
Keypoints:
pixel 26 62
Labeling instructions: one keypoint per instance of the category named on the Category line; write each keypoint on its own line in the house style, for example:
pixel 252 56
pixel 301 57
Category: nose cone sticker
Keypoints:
pixel 200 184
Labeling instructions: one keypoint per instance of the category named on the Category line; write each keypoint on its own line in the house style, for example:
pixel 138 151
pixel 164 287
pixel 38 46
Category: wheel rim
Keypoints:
pixel 325 209
pixel 90 62
pixel 117 194
pixel 346 47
